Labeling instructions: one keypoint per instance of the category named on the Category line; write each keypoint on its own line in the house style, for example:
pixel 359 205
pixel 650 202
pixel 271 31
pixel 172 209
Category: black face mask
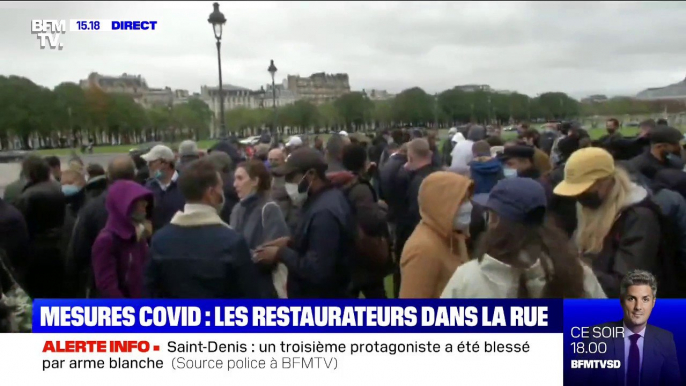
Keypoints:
pixel 590 200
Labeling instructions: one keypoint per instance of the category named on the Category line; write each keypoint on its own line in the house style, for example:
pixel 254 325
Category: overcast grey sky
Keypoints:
pixel 578 48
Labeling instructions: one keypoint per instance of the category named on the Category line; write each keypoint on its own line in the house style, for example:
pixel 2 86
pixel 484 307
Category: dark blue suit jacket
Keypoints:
pixel 660 364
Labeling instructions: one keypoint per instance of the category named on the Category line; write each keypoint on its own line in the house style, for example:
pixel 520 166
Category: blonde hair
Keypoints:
pixel 595 224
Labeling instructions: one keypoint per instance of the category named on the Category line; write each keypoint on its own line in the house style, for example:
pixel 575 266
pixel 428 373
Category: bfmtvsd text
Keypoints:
pixel 48 32
pixel 594 351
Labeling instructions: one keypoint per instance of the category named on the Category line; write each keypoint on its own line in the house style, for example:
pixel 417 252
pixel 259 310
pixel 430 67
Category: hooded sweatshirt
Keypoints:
pixel 434 250
pixel 462 151
pixel 486 172
pixel 119 256
pixel 491 278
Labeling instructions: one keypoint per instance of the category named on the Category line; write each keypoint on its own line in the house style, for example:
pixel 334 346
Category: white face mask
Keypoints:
pixel 296 197
pixel 463 217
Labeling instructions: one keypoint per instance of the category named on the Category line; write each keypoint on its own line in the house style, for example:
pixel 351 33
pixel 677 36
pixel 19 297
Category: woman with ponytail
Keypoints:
pixel 522 255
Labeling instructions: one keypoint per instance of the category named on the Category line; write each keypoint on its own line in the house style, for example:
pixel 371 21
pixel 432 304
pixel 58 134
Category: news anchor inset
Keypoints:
pixel 647 353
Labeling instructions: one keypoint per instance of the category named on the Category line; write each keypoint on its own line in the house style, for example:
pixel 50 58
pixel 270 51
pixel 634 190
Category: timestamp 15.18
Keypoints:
pixel 88 25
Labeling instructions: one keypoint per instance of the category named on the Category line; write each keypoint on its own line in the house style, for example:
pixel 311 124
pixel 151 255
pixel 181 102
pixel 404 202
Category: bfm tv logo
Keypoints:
pixel 595 364
pixel 48 32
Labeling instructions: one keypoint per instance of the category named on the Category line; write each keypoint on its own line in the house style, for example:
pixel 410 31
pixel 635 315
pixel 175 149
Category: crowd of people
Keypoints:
pixel 549 213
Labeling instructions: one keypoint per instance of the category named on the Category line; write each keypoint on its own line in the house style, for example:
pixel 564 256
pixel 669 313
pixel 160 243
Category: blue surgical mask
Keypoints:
pixel 509 172
pixel 158 175
pixel 463 217
pixel 70 190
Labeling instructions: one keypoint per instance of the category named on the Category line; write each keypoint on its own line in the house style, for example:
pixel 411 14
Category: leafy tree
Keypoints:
pixel 382 115
pixel 354 109
pixel 330 118
pixel 413 106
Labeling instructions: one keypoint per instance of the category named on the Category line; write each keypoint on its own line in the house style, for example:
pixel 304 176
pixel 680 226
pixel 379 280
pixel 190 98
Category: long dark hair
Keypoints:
pixel 563 270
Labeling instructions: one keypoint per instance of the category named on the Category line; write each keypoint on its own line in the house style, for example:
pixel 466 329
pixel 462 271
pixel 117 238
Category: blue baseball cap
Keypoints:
pixel 514 198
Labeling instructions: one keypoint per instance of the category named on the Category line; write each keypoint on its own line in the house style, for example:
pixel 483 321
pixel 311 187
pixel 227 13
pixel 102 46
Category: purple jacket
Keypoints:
pixel 118 258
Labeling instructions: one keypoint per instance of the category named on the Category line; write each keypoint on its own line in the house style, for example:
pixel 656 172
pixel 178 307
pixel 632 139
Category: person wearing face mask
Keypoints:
pixel 163 184
pixel 522 255
pixel 618 224
pixel 664 152
pixel 276 158
pixel 438 244
pixel 73 189
pixel 198 255
pixel 120 251
pixel 259 219
pixel 319 253
pixel 518 161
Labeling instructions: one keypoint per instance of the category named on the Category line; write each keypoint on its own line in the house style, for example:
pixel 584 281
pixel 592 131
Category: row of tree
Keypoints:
pixel 69 115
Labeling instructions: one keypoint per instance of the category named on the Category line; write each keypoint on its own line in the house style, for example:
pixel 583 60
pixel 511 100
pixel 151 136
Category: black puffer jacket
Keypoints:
pixel 649 166
pixel 43 207
pixel 632 243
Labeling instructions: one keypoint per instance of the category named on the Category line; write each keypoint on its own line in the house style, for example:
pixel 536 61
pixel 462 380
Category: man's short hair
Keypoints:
pixel 614 121
pixel 121 168
pixel 53 161
pixel 78 177
pixel 481 148
pixel 334 146
pixel 95 170
pixel 222 162
pixel 354 157
pixel 197 177
pixel 495 141
pixel 649 123
pixel 637 277
pixel 35 169
pixel 662 121
pixel 419 147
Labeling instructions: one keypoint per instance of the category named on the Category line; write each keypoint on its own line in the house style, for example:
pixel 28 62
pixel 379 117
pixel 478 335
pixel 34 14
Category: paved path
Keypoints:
pixel 9 172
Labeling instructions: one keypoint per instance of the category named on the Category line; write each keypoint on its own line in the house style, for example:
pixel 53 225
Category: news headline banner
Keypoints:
pixel 297 316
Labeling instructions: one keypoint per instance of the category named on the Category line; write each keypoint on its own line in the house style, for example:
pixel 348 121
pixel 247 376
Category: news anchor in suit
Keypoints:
pixel 647 353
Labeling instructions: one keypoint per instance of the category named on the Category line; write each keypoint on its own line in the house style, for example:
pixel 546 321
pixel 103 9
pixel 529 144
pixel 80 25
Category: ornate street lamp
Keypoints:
pixel 218 20
pixel 272 71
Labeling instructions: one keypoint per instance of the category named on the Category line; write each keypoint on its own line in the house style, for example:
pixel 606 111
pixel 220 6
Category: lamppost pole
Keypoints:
pixel 272 70
pixel 221 92
pixel 217 20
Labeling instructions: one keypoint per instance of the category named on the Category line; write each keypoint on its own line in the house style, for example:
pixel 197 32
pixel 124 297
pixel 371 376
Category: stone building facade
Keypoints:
pixel 132 85
pixel 319 88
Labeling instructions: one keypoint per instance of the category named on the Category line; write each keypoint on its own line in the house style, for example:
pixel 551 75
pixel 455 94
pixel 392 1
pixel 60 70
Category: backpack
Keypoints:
pixel 372 247
pixel 670 273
